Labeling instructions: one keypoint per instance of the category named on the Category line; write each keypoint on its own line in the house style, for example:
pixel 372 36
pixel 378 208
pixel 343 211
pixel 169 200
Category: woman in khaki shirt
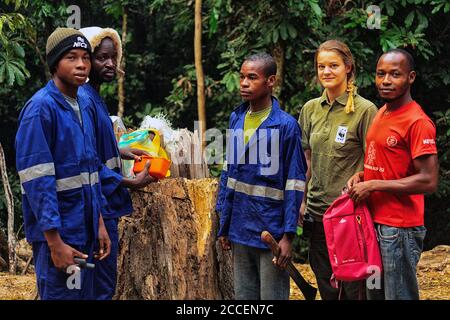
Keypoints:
pixel 334 127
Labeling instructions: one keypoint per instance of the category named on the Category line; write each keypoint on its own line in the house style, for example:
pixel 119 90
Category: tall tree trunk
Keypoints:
pixel 10 207
pixel 279 56
pixel 121 80
pixel 199 71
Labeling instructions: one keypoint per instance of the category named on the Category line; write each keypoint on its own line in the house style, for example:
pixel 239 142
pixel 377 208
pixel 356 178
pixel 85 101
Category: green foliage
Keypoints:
pixel 300 247
pixel 443 141
pixel 12 65
pixel 115 8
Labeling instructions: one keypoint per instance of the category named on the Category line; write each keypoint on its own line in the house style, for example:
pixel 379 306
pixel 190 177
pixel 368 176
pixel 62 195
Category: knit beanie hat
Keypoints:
pixel 95 35
pixel 63 40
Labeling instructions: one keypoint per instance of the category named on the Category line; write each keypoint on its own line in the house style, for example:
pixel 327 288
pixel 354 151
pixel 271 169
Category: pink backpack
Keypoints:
pixel 351 241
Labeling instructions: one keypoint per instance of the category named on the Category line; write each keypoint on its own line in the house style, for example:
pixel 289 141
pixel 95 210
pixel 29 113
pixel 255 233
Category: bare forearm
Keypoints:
pixel 289 237
pixel 128 183
pixel 101 222
pixel 308 174
pixel 415 184
pixel 425 180
pixel 138 182
pixel 53 238
pixel 308 177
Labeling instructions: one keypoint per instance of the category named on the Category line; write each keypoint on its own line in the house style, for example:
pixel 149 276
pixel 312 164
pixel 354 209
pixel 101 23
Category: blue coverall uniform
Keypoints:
pixel 262 183
pixel 58 168
pixel 118 197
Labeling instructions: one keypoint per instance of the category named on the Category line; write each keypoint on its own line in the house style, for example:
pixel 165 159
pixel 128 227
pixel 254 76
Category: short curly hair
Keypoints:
pixel 269 64
pixel 406 54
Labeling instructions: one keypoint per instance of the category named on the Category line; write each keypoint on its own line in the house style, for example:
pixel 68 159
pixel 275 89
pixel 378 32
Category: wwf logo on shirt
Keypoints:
pixel 341 134
pixel 79 43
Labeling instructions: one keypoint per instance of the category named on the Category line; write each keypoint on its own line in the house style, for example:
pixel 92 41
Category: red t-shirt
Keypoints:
pixel 392 142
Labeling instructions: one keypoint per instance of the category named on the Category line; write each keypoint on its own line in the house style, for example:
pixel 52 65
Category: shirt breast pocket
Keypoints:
pixel 346 144
pixel 347 155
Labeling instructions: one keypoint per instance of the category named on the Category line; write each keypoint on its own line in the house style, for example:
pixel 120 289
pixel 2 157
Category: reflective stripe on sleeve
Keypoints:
pixel 113 163
pixel 295 185
pixel 74 182
pixel 37 171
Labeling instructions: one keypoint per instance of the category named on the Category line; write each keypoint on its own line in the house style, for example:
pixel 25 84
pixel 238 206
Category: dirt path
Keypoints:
pixel 433 274
pixel 17 287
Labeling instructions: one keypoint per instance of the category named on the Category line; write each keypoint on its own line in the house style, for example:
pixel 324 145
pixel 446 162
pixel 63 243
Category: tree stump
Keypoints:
pixel 168 247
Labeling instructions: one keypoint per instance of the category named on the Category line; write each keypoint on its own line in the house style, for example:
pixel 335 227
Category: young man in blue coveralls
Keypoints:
pixel 58 169
pixel 261 186
pixel 106 57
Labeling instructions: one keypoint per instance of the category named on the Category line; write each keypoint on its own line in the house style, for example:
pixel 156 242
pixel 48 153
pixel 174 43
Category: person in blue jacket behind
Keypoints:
pixel 106 57
pixel 261 186
pixel 58 169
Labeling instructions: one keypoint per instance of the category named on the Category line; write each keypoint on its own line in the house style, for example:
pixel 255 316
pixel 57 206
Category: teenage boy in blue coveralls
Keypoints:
pixel 263 192
pixel 106 57
pixel 58 169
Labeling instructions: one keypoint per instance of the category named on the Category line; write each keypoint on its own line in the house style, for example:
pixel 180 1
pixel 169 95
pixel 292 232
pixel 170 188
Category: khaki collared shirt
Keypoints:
pixel 337 144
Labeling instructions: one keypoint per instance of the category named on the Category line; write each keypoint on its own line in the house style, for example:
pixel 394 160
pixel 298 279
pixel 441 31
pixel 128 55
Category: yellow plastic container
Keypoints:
pixel 158 166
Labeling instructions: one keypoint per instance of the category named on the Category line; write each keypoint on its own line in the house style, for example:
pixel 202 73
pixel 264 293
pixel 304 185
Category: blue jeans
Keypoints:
pixel 255 275
pixel 400 251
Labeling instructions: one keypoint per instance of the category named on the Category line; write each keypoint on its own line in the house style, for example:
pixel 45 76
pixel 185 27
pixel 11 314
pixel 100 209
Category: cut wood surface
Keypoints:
pixel 168 247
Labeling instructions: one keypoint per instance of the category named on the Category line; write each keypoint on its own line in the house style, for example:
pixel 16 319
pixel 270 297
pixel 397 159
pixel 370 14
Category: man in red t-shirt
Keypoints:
pixel 400 166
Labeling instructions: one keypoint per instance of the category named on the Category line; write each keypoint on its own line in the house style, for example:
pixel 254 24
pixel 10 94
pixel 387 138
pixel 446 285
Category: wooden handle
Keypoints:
pixel 308 291
pixel 268 239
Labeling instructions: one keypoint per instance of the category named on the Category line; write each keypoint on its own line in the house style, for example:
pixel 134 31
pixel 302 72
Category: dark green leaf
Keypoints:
pixel 409 19
pixel 18 49
pixel 316 9
pixel 283 32
pixel 292 31
pixel 2 73
pixel 275 35
pixel 10 76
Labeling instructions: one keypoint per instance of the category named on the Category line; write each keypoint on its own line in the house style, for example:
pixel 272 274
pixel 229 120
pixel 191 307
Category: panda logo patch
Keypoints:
pixel 341 134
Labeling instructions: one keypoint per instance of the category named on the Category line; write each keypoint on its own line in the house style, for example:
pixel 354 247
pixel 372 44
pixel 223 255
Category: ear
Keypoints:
pixel 271 80
pixel 411 77
pixel 348 69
